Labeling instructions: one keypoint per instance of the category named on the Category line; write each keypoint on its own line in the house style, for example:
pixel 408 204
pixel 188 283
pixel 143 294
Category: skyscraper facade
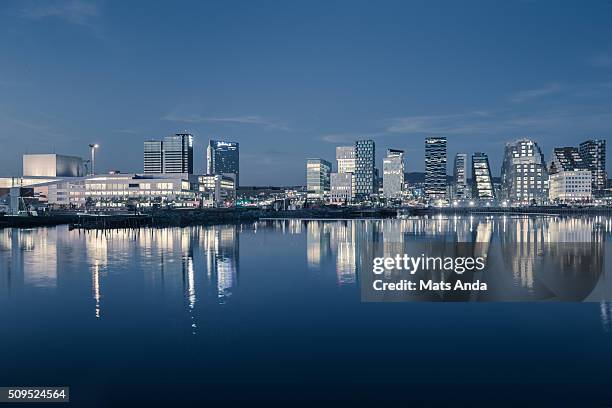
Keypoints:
pixel 570 178
pixel 345 156
pixel 593 153
pixel 524 178
pixel 178 153
pixel 482 182
pixel 460 188
pixel 365 182
pixel 317 178
pixel 393 173
pixel 223 158
pixel 435 168
pixel 153 157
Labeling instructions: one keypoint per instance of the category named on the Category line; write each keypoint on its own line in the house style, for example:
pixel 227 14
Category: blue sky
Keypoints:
pixel 294 79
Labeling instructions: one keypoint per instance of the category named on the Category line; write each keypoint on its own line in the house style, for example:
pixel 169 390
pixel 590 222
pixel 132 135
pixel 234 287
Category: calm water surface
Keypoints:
pixel 272 310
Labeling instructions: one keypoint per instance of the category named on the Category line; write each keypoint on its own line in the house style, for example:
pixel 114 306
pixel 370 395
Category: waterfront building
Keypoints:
pixel 570 177
pixel 345 157
pixel 593 152
pixel 460 187
pixel 178 153
pixel 365 181
pixel 482 182
pixel 317 178
pixel 393 173
pixel 217 190
pixel 117 190
pixel 341 190
pixel 52 165
pixel 435 168
pixel 223 158
pixel 153 157
pixel 524 178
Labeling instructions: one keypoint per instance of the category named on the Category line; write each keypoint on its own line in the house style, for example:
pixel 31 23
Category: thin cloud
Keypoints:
pixel 603 60
pixel 506 123
pixel 78 12
pixel 349 137
pixel 527 95
pixel 240 120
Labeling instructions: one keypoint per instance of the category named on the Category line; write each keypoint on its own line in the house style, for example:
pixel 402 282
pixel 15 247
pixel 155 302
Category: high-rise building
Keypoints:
pixel 460 170
pixel 435 168
pixel 317 178
pixel 178 153
pixel 566 159
pixel 393 173
pixel 570 178
pixel 365 183
pixel 524 178
pixel 593 153
pixel 153 157
pixel 341 190
pixel 482 182
pixel 223 158
pixel 345 156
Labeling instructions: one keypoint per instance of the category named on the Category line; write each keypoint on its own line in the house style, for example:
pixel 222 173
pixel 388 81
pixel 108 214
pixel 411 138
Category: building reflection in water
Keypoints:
pixel 221 247
pixel 530 247
pixel 203 262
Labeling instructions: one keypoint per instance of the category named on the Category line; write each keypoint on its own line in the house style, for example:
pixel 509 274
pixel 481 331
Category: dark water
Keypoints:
pixel 272 311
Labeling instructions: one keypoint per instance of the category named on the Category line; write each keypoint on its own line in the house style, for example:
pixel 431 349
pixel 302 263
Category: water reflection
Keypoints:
pixel 198 266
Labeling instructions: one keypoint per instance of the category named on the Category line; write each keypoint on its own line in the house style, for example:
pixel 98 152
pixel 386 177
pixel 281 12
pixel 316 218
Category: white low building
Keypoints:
pixel 570 178
pixel 570 186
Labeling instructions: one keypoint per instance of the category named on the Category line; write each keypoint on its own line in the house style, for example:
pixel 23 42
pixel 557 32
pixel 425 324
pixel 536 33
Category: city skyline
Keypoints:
pixel 480 74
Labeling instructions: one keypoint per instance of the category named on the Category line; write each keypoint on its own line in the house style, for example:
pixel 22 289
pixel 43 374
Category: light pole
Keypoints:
pixel 93 158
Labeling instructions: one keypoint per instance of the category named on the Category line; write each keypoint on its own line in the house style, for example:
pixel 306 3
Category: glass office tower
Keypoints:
pixel 153 157
pixel 317 178
pixel 223 158
pixel 178 153
pixel 393 173
pixel 435 168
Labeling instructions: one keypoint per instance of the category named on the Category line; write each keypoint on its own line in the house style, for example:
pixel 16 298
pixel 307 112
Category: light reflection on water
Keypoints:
pixel 228 310
pixel 44 258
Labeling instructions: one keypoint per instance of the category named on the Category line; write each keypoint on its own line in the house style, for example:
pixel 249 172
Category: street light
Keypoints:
pixel 93 157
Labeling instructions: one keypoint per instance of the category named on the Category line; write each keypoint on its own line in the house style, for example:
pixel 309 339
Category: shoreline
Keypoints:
pixel 215 216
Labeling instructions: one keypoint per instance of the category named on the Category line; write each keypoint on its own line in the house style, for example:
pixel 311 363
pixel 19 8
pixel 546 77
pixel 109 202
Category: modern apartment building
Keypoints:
pixel 482 182
pixel 524 178
pixel 570 177
pixel 593 152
